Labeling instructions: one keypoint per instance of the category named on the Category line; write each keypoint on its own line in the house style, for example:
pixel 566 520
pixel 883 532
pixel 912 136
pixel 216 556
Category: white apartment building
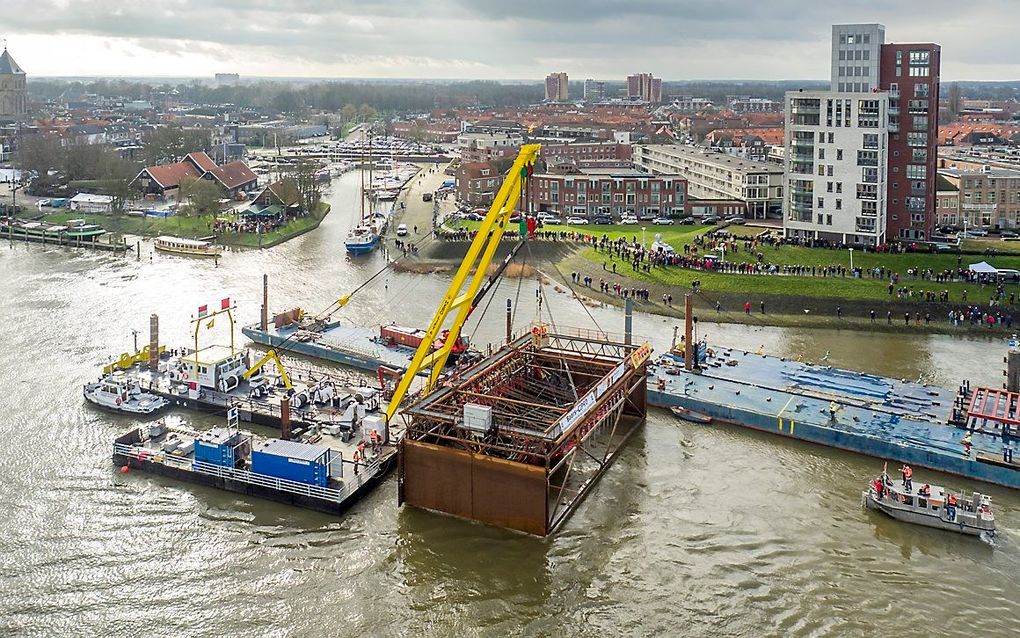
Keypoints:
pixel 714 175
pixel 836 166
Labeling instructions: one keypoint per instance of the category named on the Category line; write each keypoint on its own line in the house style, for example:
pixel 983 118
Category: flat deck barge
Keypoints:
pixel 319 476
pixel 336 342
pixel 913 423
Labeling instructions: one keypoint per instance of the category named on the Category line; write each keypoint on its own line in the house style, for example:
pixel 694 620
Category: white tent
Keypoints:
pixel 984 268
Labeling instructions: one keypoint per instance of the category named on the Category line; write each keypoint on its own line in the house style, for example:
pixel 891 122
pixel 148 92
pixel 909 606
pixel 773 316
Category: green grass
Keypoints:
pixel 192 227
pixel 828 287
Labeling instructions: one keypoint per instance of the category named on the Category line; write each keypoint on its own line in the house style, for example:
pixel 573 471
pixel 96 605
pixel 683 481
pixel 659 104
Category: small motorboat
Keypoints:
pixel 119 393
pixel 688 414
pixel 931 506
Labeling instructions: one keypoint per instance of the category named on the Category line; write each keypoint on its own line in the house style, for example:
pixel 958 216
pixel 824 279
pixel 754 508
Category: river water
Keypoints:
pixel 694 531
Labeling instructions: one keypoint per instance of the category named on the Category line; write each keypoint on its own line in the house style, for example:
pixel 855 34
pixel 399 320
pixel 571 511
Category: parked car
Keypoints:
pixel 711 219
pixel 475 217
pixel 662 221
pixel 736 219
pixel 426 197
pixel 977 232
pixel 550 219
pixel 577 221
pixel 687 221
pixel 646 217
pixel 629 221
pixel 1008 234
pixel 402 230
pixel 603 220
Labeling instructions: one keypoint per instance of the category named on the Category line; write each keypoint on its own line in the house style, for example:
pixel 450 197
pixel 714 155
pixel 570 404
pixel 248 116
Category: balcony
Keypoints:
pixel 894 127
pixel 894 110
pixel 807 142
pixel 865 229
pixel 802 168
pixel 894 93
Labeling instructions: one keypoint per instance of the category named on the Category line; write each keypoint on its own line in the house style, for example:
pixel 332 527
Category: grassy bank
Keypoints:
pixel 195 226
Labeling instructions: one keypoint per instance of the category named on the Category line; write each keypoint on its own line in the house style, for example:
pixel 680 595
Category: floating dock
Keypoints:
pixel 321 476
pixel 518 439
pixel 914 423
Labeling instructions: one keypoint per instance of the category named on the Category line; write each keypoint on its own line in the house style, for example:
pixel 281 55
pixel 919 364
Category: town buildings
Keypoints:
pixel 165 180
pixel 644 87
pixel 556 87
pixel 987 197
pixel 718 176
pixel 477 183
pixel 594 91
pixel 13 89
pixel 860 158
pixel 617 192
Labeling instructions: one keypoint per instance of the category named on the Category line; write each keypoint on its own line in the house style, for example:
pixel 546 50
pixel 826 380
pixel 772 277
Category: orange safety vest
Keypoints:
pixel 907 472
pixel 357 457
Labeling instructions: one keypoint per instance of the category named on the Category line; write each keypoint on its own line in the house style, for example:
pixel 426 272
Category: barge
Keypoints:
pixel 914 423
pixel 326 475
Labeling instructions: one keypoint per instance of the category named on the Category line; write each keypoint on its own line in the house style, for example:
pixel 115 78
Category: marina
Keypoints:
pixel 74 233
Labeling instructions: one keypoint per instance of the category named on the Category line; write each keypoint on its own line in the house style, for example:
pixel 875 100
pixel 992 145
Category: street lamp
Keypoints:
pixel 851 260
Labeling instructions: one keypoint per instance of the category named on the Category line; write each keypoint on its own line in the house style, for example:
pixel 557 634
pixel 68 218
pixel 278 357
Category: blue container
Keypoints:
pixel 217 447
pixel 292 461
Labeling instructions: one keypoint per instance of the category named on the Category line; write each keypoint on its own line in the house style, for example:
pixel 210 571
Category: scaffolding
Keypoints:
pixel 519 438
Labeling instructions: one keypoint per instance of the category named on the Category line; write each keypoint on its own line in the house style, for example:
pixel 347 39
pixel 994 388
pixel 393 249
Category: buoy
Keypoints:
pixel 125 469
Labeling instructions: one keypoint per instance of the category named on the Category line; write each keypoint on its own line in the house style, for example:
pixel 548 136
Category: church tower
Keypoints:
pixel 13 89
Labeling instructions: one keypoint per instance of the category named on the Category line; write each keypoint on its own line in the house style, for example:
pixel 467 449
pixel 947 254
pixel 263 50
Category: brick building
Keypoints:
pixel 988 198
pixel 477 183
pixel 910 74
pixel 615 192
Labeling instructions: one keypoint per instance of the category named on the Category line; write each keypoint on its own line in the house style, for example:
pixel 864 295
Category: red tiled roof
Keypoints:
pixel 233 174
pixel 170 175
pixel 202 161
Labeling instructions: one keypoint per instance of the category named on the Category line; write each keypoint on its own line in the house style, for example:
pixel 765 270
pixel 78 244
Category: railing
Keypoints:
pixel 283 485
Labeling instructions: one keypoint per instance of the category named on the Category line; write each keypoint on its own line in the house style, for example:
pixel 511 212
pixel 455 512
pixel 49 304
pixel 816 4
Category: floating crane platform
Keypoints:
pixel 518 439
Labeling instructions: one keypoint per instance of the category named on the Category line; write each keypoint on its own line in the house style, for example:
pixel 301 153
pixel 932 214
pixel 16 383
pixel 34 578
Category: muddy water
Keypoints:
pixel 695 531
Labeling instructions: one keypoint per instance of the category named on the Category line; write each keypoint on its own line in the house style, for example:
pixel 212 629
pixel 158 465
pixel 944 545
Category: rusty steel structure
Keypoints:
pixel 518 439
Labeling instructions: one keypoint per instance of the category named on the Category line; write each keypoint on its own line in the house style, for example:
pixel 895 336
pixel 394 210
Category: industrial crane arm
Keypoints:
pixel 270 356
pixel 472 271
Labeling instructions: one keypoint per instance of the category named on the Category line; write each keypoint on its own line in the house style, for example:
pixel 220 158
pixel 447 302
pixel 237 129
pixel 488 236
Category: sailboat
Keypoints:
pixel 364 237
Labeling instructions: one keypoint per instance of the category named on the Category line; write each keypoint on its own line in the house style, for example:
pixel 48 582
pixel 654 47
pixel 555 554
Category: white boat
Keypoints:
pixel 117 392
pixel 181 246
pixel 931 506
pixel 361 239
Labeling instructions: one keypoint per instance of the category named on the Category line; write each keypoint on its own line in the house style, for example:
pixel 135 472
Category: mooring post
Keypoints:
pixel 509 319
pixel 153 342
pixel 628 321
pixel 688 332
pixel 1013 366
pixel 264 321
pixel 138 250
pixel 285 418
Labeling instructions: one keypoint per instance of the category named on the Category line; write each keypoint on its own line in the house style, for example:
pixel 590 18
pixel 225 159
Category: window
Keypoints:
pixel 829 172
pixel 917 139
pixel 920 122
pixel 829 187
pixel 920 90
pixel 839 154
pixel 839 204
pixel 821 137
pixel 821 202
pixel 828 220
pixel 867 54
pixel 918 71
pixel 849 38
pixel 867 38
pixel 821 153
pixel 919 57
pixel 839 187
pixel 917 171
pixel 842 54
pixel 871 140
pixel 899 57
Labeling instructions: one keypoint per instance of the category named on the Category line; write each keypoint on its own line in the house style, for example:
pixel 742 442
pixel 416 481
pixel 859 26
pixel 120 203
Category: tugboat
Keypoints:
pixel 117 392
pixel 931 506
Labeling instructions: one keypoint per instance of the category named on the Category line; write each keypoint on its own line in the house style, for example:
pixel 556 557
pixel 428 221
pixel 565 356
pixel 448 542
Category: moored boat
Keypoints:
pixel 361 239
pixel 931 506
pixel 118 392
pixel 192 247
pixel 79 229
pixel 690 415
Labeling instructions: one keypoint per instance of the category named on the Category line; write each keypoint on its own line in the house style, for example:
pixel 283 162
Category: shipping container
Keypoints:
pixel 399 335
pixel 292 461
pixel 217 447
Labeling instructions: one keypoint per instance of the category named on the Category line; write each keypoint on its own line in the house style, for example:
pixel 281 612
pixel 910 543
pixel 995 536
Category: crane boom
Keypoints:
pixel 473 271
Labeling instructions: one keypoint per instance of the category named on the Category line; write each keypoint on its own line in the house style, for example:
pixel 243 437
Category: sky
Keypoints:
pixel 485 39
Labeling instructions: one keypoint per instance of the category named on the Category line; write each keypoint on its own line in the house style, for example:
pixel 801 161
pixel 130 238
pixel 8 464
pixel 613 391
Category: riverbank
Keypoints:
pixel 196 226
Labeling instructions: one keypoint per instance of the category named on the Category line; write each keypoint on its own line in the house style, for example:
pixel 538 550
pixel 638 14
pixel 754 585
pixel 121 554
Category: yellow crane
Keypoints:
pixel 472 271
pixel 270 356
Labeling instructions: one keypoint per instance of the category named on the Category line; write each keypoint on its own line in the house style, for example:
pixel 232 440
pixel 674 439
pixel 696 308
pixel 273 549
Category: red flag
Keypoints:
pixel 203 311
pixel 224 303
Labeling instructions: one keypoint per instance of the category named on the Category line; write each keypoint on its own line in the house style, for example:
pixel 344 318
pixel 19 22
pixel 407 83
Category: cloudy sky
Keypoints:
pixel 512 39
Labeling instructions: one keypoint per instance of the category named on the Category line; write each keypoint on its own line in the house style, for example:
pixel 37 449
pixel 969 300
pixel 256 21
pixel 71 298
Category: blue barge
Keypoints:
pixel 914 423
pixel 334 341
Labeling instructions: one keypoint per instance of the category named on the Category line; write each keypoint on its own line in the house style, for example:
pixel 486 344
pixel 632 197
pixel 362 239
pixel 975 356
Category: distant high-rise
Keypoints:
pixel 644 87
pixel 13 89
pixel 856 49
pixel 556 87
pixel 594 91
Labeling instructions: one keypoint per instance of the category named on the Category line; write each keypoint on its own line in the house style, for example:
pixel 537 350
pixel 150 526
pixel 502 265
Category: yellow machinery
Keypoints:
pixel 270 356
pixel 472 271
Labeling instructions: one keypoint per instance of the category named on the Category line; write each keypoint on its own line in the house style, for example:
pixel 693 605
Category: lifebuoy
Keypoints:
pixel 185 376
pixel 119 401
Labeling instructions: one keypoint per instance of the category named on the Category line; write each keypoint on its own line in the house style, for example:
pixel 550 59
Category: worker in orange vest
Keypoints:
pixel 908 475
pixel 357 459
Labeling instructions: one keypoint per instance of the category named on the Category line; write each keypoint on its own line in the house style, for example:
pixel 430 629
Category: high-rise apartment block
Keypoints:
pixel 860 158
pixel 644 87
pixel 556 87
pixel 594 91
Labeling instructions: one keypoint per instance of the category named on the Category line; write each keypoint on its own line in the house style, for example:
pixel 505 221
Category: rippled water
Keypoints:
pixel 695 531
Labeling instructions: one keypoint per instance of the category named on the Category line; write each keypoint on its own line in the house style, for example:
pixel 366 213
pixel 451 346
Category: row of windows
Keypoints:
pixel 855 55
pixel 855 71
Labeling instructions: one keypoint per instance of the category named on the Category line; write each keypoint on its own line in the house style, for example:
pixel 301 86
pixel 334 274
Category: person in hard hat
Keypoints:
pixel 966 444
pixel 833 406
pixel 356 459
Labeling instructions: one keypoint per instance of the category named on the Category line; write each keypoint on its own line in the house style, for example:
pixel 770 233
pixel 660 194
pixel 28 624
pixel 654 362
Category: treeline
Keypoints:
pixel 291 97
